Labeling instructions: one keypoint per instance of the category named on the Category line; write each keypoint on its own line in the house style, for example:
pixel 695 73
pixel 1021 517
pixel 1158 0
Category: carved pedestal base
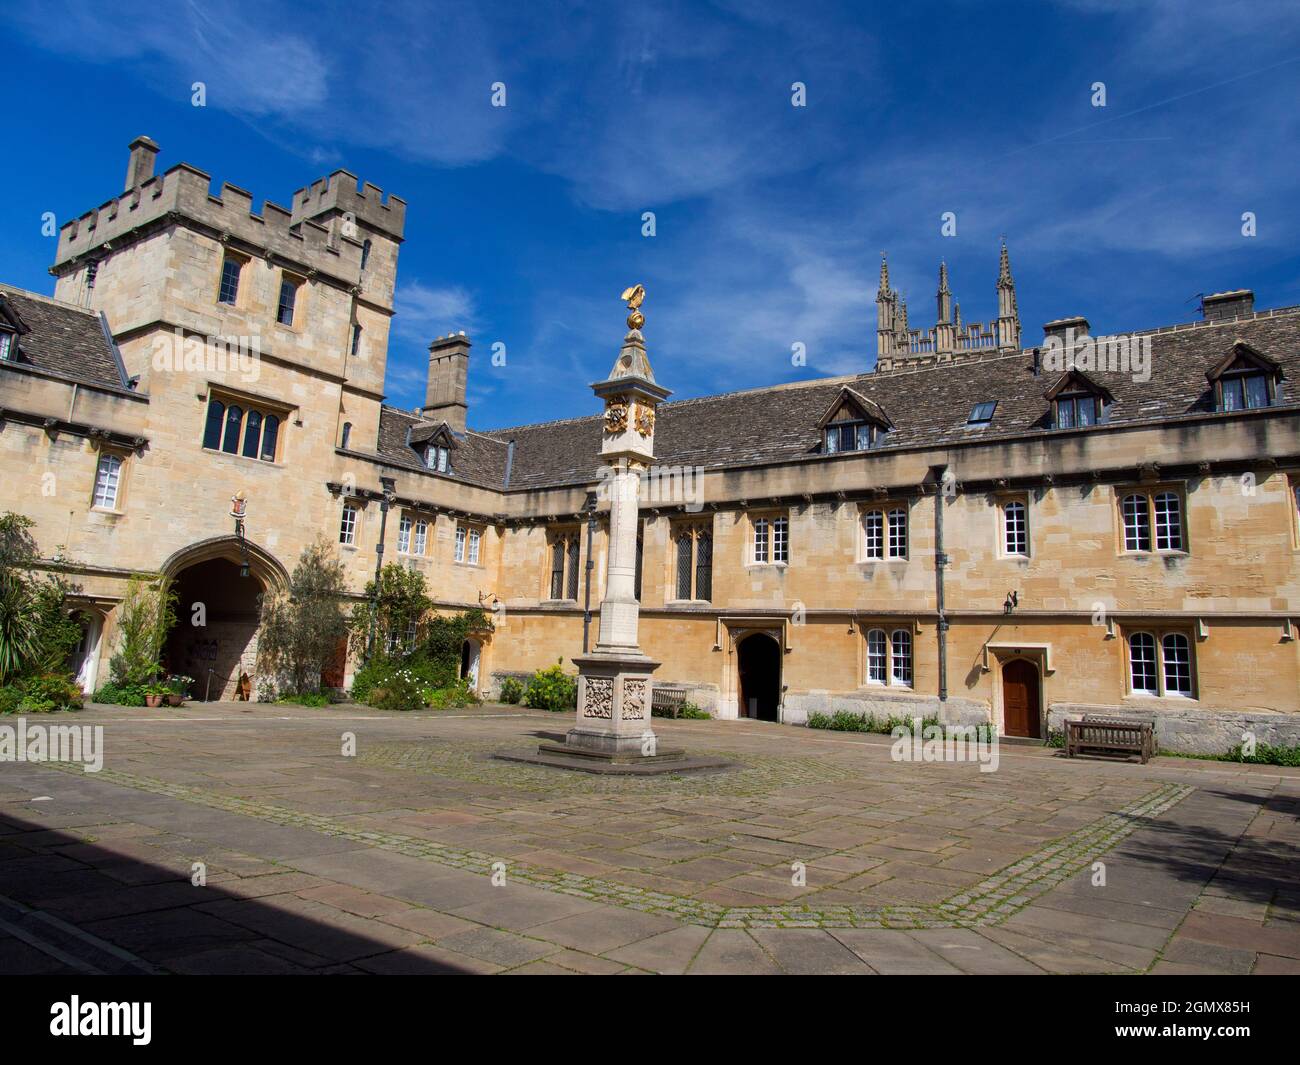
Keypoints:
pixel 615 693
pixel 613 734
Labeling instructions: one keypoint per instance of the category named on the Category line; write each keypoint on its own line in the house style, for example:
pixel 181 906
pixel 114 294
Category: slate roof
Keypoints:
pixel 928 407
pixel 477 459
pixel 64 339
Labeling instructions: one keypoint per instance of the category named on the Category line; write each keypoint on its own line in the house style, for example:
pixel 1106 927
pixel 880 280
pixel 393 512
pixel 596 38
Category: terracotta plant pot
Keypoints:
pixel 175 700
pixel 153 700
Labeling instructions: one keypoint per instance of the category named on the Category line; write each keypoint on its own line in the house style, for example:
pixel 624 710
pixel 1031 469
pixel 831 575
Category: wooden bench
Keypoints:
pixel 667 702
pixel 1111 734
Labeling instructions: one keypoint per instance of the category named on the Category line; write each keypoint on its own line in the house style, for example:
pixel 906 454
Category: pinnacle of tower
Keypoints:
pixel 1004 268
pixel 883 291
pixel 943 278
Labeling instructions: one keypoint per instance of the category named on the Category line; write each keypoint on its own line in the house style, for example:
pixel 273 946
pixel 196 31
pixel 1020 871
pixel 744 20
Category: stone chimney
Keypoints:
pixel 139 168
pixel 448 373
pixel 1227 304
pixel 1062 327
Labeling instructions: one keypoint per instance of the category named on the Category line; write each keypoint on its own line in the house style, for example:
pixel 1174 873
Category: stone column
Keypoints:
pixel 614 681
pixel 619 610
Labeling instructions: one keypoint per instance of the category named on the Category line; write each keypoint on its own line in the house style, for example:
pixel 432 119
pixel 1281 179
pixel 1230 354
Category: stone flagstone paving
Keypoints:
pixel 384 862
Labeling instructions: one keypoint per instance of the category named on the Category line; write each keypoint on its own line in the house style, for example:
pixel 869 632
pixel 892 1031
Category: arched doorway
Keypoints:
pixel 214 639
pixel 470 653
pixel 758 663
pixel 227 576
pixel 1021 703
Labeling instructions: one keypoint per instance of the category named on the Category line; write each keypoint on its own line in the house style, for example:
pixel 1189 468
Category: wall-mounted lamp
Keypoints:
pixel 1012 601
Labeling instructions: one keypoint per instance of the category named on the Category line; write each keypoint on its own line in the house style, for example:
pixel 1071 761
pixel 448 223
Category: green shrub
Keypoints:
pixel 402 690
pixel 512 690
pixel 121 694
pixel 47 693
pixel 847 721
pixel 10 698
pixel 37 632
pixel 145 617
pixel 458 695
pixel 301 628
pixel 372 675
pixel 1266 754
pixel 305 698
pixel 376 673
pixel 552 689
pixel 693 713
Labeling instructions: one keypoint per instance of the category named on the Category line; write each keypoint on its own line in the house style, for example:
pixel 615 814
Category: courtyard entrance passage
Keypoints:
pixel 221 649
pixel 758 659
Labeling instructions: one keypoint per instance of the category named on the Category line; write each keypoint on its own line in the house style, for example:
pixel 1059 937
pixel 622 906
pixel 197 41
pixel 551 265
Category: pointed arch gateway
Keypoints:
pixel 218 613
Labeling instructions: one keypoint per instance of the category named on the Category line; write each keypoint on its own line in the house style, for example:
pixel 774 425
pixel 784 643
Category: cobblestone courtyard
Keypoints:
pixel 424 854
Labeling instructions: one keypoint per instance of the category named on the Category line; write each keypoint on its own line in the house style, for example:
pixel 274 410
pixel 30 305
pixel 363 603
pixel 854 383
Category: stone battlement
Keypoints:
pixel 340 192
pixel 185 193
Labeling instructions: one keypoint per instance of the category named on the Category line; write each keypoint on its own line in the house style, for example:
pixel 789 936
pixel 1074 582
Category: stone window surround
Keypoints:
pixel 286 412
pixel 884 506
pixel 241 288
pixel 1001 501
pixel 1150 491
pixel 299 299
pixel 563 534
pixel 461 545
pixel 867 624
pixel 770 515
pixel 414 539
pixel 122 480
pixel 358 509
pixel 695 527
pixel 1159 631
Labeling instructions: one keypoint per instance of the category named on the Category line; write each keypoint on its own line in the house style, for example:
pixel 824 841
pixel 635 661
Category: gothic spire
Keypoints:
pixel 944 296
pixel 1005 279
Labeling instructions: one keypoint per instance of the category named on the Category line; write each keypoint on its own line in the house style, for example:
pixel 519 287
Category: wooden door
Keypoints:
pixel 332 676
pixel 1020 699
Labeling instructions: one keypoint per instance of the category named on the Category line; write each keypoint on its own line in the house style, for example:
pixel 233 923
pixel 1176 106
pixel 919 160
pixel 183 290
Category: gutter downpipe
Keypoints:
pixel 389 486
pixel 940 560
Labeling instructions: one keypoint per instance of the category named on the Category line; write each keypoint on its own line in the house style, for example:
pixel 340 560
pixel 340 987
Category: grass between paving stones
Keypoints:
pixel 991 901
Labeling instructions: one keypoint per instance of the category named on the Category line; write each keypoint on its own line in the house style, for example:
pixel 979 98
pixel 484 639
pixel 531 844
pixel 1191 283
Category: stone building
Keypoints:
pixel 977 528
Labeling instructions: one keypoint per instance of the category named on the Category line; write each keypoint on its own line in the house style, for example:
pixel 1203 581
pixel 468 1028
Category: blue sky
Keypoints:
pixel 524 222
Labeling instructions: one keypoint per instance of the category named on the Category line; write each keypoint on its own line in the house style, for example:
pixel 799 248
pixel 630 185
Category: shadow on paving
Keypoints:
pixel 1203 846
pixel 68 906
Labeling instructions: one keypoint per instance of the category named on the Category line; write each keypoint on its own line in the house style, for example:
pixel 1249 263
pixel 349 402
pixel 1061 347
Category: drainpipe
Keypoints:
pixel 389 486
pixel 591 565
pixel 940 560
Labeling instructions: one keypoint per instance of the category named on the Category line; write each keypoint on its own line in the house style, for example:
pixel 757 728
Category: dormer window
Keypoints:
pixel 434 444
pixel 1244 391
pixel 1245 379
pixel 852 423
pixel 437 457
pixel 1076 408
pixel 8 349
pixel 1077 401
pixel 849 436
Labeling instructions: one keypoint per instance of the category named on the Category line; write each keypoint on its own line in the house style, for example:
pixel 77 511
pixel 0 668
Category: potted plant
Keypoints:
pixel 155 693
pixel 178 689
